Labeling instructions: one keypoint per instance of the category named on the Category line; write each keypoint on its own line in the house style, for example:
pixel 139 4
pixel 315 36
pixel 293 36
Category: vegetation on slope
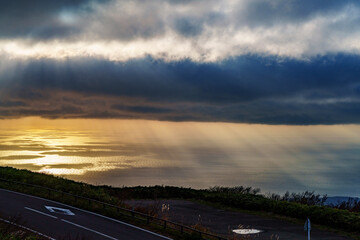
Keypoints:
pixel 10 231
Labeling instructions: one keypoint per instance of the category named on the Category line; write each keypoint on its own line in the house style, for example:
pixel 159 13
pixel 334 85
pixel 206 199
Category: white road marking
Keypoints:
pixel 40 212
pixel 99 215
pixel 60 210
pixel 28 229
pixel 89 229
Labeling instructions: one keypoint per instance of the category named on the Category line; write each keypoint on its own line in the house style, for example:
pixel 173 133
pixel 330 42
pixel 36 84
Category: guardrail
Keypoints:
pixel 126 212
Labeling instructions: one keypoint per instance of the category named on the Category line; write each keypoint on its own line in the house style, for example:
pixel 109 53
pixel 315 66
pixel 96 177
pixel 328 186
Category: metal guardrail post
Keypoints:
pixel 164 224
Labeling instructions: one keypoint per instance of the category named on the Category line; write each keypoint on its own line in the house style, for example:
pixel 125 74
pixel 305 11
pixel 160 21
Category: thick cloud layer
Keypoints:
pixel 202 30
pixel 41 19
pixel 251 89
pixel 258 61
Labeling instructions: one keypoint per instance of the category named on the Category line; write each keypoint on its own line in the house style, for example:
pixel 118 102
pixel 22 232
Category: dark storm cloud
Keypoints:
pixel 38 18
pixel 292 113
pixel 268 12
pixel 126 20
pixel 11 104
pixel 188 27
pixel 142 109
pixel 52 19
pixel 323 90
pixel 237 80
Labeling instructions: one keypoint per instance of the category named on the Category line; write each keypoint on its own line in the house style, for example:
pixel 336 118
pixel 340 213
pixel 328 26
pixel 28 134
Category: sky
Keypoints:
pixel 278 70
pixel 249 61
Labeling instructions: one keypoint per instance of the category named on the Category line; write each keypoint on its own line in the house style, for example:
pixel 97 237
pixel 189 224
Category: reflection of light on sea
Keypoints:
pixel 63 171
pixel 138 152
pixel 54 159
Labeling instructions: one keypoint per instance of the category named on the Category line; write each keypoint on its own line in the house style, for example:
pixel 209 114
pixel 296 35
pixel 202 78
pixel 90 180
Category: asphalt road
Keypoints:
pixel 223 221
pixel 59 221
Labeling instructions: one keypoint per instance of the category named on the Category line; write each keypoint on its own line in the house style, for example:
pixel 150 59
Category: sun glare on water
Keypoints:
pixel 141 152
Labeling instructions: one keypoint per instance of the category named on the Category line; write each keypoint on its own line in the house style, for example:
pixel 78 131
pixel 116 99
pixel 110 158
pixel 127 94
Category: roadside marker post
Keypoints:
pixel 307 227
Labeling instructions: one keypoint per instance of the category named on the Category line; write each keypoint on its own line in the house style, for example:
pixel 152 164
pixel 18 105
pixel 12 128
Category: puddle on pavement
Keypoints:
pixel 246 231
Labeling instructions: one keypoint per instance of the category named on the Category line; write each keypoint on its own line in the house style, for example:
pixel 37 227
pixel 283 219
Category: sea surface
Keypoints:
pixel 274 158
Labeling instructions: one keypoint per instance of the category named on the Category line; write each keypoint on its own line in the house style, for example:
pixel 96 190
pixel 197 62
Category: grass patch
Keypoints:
pixel 10 230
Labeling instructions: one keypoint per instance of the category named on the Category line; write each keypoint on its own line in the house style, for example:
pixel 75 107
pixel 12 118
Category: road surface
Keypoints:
pixel 223 221
pixel 60 221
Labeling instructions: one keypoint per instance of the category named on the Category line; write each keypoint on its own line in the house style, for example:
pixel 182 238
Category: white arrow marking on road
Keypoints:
pixel 39 212
pixel 92 213
pixel 51 209
pixel 59 210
